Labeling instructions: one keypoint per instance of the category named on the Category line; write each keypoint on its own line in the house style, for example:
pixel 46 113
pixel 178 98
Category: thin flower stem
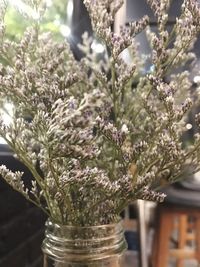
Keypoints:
pixel 64 195
pixel 114 93
pixel 31 168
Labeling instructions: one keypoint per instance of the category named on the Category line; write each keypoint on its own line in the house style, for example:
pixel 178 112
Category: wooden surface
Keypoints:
pixel 177 236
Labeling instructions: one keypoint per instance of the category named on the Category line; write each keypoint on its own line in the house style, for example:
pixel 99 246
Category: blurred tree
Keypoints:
pixel 21 14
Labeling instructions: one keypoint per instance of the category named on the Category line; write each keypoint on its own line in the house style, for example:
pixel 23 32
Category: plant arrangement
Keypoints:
pixel 100 133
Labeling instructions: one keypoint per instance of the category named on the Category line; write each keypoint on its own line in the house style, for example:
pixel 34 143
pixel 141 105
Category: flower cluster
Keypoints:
pixel 100 133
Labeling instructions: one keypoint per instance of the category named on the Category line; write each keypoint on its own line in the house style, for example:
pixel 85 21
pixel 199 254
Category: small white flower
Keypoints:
pixel 124 129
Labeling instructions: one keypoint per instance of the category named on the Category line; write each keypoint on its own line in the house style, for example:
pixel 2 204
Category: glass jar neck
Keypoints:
pixel 83 243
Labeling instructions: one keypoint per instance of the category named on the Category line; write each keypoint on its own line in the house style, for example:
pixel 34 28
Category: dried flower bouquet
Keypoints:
pixel 97 134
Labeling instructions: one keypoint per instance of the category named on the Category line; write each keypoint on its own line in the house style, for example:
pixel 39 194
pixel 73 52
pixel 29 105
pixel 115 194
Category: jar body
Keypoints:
pixel 108 262
pixel 95 246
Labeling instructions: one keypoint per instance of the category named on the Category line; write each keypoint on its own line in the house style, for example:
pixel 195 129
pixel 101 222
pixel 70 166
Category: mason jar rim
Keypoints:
pixel 109 225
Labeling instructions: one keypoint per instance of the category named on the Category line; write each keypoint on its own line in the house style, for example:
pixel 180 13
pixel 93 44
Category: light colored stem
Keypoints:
pixel 114 94
pixel 64 195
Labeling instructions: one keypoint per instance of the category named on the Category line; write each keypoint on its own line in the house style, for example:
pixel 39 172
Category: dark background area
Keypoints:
pixel 21 223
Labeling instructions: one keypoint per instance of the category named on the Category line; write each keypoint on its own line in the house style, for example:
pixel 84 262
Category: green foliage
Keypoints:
pixel 55 15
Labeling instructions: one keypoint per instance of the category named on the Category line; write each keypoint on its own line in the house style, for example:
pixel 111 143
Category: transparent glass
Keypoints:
pixel 71 246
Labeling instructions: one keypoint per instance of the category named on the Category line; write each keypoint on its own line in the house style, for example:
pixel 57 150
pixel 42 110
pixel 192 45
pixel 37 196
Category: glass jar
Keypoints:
pixel 72 246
